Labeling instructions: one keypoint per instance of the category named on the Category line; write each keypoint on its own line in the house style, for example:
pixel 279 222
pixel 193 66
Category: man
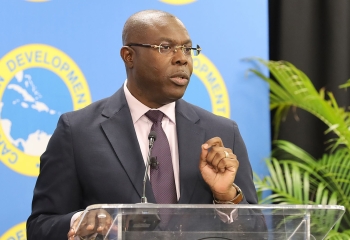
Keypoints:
pixel 98 154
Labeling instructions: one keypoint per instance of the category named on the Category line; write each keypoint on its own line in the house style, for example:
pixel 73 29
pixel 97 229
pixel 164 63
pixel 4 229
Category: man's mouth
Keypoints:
pixel 180 79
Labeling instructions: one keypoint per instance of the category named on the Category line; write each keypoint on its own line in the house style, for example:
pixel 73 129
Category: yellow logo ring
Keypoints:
pixel 37 1
pixel 178 2
pixel 16 232
pixel 50 58
pixel 206 71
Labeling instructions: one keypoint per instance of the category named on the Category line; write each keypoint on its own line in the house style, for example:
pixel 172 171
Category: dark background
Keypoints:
pixel 314 36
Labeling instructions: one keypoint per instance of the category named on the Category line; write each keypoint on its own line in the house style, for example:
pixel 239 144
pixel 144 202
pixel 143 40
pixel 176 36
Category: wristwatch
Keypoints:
pixel 237 199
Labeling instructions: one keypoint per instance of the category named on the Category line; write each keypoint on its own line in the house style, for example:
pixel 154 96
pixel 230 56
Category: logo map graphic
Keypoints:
pixel 37 84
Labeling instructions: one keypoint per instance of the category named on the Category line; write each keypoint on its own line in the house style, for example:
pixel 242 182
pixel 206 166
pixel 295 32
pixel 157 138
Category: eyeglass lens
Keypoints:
pixel 165 48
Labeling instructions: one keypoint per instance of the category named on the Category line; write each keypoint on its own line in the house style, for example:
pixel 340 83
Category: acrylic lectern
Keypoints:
pixel 208 222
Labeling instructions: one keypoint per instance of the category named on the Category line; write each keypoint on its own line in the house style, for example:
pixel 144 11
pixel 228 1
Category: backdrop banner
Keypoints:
pixel 60 55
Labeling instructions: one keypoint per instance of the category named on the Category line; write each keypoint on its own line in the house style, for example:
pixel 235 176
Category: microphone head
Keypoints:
pixel 153 135
pixel 154 163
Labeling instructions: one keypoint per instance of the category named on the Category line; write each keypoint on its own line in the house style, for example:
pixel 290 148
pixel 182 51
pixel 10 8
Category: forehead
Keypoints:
pixel 168 29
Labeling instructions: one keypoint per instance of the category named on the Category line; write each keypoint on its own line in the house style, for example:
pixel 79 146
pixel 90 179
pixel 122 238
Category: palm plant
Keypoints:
pixel 295 176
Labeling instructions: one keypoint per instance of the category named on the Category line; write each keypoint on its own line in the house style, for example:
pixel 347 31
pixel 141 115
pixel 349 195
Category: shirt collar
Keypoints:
pixel 138 109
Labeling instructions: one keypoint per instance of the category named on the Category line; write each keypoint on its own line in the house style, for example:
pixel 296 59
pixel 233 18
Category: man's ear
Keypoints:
pixel 127 54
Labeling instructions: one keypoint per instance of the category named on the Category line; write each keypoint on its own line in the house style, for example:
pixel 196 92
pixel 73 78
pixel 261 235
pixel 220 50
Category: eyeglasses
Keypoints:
pixel 166 48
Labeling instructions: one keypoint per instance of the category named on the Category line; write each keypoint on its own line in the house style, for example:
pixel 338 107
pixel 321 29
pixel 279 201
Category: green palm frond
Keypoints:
pixel 345 85
pixel 333 169
pixel 283 189
pixel 291 184
pixel 334 235
pixel 331 172
pixel 295 176
pixel 293 88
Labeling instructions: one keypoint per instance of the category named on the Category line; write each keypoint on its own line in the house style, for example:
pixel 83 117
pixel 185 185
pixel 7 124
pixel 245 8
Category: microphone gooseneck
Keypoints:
pixel 152 136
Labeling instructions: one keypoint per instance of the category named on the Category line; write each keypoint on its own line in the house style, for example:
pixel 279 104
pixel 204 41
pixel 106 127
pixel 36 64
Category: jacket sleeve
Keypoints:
pixel 244 177
pixel 57 193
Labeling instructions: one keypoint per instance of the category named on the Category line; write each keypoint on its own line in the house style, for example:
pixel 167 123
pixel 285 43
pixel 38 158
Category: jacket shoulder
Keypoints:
pixel 206 116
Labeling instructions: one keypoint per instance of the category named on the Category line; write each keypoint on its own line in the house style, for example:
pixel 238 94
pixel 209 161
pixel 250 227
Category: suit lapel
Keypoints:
pixel 121 134
pixel 190 138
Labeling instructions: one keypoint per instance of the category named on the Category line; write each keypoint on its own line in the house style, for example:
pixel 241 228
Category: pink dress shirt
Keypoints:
pixel 143 126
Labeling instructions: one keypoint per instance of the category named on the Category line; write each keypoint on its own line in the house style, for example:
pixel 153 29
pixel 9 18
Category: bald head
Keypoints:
pixel 137 25
pixel 156 78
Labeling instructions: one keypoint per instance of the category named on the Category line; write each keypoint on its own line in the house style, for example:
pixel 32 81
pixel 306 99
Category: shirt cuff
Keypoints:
pixel 227 218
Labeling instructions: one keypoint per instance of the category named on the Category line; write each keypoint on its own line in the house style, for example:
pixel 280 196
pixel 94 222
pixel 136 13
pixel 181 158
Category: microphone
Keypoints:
pixel 154 163
pixel 144 219
pixel 152 136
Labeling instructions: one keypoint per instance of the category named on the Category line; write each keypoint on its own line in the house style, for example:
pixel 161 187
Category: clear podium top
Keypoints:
pixel 202 221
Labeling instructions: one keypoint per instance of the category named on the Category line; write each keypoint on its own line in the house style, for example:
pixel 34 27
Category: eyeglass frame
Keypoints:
pixel 198 49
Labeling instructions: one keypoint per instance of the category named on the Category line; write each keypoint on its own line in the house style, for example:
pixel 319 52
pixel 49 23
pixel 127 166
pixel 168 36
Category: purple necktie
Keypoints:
pixel 162 177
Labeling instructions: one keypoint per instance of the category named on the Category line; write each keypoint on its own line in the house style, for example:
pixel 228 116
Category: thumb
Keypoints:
pixel 203 156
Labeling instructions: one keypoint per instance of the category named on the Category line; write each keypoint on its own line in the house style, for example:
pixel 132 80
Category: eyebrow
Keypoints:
pixel 164 39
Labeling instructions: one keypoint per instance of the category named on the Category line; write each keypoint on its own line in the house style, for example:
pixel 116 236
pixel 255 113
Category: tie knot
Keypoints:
pixel 155 115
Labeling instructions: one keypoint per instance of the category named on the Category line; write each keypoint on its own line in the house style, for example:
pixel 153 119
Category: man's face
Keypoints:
pixel 156 79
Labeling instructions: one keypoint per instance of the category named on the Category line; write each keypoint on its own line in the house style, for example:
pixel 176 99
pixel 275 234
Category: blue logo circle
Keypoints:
pixel 31 105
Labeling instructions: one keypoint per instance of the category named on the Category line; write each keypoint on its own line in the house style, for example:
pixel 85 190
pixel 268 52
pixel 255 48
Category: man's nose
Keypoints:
pixel 179 57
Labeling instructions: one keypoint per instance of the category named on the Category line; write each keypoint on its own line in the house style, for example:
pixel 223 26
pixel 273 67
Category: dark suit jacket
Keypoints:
pixel 94 157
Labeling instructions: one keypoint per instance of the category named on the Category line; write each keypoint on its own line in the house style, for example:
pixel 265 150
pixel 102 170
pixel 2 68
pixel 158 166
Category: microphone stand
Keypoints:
pixel 152 138
pixel 144 219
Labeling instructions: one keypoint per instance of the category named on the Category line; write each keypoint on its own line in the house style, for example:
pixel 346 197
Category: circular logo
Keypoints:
pixel 37 0
pixel 37 84
pixel 17 232
pixel 205 73
pixel 178 2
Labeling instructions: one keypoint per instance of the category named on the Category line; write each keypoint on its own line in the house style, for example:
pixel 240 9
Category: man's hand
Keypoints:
pixel 218 166
pixel 94 222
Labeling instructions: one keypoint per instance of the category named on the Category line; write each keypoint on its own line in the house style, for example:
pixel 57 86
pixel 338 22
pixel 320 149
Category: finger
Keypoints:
pixel 216 155
pixel 73 230
pixel 212 159
pixel 231 164
pixel 101 222
pixel 108 228
pixel 203 157
pixel 71 234
pixel 210 145
pixel 216 141
pixel 204 152
pixel 91 220
pixel 219 153
pixel 229 160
